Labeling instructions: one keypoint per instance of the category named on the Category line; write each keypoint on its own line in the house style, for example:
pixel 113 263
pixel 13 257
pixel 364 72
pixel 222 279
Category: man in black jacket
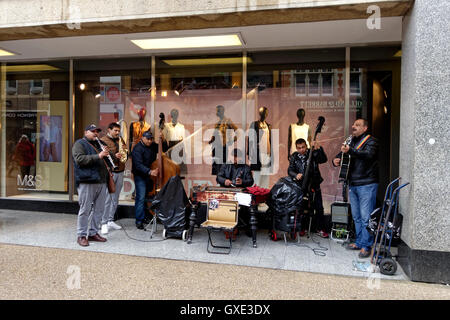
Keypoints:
pixel 91 175
pixel 143 155
pixel 296 170
pixel 236 174
pixel 363 182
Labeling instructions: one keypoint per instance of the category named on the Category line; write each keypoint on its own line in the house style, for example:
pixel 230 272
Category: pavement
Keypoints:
pixel 40 259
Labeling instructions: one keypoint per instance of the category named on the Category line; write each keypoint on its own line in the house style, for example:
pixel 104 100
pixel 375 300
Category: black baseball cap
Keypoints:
pixel 93 127
pixel 147 134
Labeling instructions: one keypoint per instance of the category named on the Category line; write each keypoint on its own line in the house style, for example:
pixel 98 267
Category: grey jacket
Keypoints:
pixel 88 167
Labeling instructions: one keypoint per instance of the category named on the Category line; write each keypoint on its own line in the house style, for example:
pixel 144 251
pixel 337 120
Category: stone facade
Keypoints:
pixel 424 136
pixel 64 18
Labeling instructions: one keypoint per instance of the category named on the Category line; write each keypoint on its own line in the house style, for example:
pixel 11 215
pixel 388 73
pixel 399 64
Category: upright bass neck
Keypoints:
pixel 306 179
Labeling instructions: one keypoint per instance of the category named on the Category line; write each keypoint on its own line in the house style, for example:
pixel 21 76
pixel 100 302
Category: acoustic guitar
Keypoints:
pixel 345 162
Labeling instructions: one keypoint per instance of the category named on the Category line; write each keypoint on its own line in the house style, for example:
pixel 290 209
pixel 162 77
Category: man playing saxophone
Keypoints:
pixel 119 154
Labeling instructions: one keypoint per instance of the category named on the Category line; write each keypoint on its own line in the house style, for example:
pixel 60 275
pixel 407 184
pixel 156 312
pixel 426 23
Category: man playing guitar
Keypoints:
pixel 363 182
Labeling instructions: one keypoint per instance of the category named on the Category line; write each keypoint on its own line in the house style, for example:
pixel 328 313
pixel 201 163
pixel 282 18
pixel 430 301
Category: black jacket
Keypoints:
pixel 363 162
pixel 232 172
pixel 143 157
pixel 297 164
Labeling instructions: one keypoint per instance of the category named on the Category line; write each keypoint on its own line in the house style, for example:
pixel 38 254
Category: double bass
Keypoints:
pixel 308 194
pixel 167 167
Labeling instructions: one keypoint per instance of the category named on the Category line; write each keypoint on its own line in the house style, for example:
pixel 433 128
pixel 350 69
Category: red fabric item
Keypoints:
pixel 25 153
pixel 260 194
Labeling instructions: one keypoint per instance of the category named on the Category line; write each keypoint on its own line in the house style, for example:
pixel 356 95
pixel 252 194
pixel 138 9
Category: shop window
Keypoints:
pixel 304 83
pixel 36 129
pixel 188 93
pixel 115 90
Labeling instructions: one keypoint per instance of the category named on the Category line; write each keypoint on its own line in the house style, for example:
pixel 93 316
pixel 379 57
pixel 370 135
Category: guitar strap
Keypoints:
pixel 362 141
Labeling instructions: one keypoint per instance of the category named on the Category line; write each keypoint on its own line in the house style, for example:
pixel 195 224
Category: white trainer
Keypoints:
pixel 104 229
pixel 115 226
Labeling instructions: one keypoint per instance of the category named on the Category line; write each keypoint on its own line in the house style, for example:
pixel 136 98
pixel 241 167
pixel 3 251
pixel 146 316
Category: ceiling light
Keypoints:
pixel 179 91
pixel 189 42
pixel 31 68
pixel 82 86
pixel 98 96
pixel 6 53
pixel 207 61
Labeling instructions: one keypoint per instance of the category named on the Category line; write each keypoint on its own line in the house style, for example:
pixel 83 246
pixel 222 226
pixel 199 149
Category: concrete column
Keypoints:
pixel 424 142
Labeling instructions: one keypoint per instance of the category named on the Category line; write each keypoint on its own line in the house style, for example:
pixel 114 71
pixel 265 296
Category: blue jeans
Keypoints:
pixel 143 186
pixel 363 201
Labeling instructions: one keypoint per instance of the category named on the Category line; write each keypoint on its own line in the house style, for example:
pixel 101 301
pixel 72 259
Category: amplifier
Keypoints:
pixel 340 212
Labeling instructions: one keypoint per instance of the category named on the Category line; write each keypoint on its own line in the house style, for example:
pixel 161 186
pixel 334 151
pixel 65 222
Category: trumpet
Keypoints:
pixel 110 159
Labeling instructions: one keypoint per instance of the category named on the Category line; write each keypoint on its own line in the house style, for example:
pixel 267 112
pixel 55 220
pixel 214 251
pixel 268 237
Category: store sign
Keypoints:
pixel 112 94
pixel 29 182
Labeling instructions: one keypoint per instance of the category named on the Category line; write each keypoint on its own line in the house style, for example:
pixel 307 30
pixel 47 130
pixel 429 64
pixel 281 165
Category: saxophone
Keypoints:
pixel 122 150
pixel 123 133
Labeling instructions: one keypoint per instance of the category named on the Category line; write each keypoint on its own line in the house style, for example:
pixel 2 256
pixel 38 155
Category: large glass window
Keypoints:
pixel 198 96
pixel 114 90
pixel 286 81
pixel 34 130
pixel 188 91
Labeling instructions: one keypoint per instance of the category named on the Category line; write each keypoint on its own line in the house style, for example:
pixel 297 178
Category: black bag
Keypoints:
pixel 285 199
pixel 170 206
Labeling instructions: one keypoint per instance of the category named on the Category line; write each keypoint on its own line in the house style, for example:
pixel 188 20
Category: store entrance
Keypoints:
pixel 379 94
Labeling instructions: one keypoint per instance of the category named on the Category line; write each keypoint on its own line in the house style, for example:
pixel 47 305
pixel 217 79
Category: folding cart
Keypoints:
pixel 381 252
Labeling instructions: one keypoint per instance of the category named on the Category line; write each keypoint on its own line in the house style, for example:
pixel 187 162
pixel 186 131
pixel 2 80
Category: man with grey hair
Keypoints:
pixel 91 175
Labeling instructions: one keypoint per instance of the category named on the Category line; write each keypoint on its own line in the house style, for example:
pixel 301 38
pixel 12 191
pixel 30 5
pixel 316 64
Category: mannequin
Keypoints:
pixel 260 148
pixel 174 133
pixel 137 128
pixel 298 130
pixel 220 130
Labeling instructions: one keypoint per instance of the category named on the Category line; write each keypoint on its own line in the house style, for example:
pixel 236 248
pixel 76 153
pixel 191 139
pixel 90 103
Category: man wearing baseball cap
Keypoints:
pixel 91 176
pixel 143 154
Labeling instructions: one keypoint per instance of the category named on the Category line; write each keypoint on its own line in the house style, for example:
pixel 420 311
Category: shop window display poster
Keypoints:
pixel 50 147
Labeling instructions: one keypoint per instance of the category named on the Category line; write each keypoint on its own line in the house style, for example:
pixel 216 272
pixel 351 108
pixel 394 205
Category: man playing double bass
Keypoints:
pixel 144 154
pixel 296 170
pixel 363 182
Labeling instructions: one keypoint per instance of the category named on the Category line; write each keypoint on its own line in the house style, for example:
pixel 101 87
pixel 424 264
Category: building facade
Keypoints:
pixel 70 63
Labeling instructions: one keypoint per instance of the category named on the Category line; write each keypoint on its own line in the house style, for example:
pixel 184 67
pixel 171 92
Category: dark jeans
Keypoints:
pixel 143 186
pixel 318 220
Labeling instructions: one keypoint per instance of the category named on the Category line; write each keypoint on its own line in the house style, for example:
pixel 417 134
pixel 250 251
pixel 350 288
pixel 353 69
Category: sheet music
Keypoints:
pixel 244 199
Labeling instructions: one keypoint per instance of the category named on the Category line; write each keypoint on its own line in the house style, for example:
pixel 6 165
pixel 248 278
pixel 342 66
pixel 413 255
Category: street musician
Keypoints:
pixel 236 174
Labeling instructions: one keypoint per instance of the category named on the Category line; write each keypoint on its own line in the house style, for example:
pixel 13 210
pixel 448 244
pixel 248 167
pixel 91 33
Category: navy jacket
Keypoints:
pixel 143 157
